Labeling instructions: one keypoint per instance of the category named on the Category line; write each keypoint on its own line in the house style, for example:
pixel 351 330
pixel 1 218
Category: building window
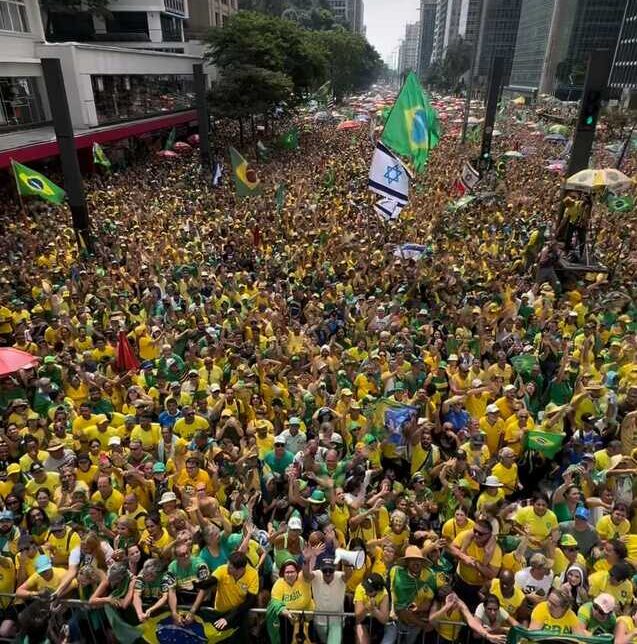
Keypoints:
pixel 19 102
pixel 170 28
pixel 13 16
pixel 175 6
pixel 126 97
pixel 216 18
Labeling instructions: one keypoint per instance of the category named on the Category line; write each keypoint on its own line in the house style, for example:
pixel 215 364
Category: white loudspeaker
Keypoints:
pixel 354 558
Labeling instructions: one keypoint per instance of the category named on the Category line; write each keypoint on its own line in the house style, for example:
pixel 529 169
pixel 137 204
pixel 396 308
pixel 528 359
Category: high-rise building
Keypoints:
pixel 426 35
pixel 408 56
pixel 497 37
pixel 624 73
pixel 554 40
pixel 205 14
pixel 349 11
pixel 455 20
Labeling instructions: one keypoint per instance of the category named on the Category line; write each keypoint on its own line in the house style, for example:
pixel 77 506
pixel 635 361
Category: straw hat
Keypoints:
pixel 412 553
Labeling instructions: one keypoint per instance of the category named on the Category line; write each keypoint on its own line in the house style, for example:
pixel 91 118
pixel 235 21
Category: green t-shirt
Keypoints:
pixel 585 615
pixel 186 578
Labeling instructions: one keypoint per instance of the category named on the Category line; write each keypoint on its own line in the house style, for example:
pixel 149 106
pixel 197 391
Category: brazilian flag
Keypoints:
pixel 546 443
pixel 520 635
pixel 245 178
pixel 617 203
pixel 32 183
pixel 412 128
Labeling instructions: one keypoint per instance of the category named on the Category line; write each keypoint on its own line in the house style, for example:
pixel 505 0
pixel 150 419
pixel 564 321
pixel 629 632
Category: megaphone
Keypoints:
pixel 354 558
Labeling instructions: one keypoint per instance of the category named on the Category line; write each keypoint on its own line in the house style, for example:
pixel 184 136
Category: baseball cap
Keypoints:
pixel 279 439
pixel 374 583
pixel 336 438
pixel 493 409
pixel 492 481
pixel 295 420
pixel 158 468
pixel 568 540
pixel 13 468
pixel 605 602
pixel 42 564
pixel 328 564
pixel 582 513
pixel 215 387
pixel 114 440
pixel 508 388
pixel 295 524
pixel 167 497
pixel 6 515
pixel 36 467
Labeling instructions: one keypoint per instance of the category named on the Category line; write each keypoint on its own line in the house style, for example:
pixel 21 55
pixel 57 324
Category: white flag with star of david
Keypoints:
pixel 388 209
pixel 387 176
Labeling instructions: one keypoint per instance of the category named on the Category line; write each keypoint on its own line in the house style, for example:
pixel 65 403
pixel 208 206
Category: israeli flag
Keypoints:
pixel 388 177
pixel 388 209
pixel 410 251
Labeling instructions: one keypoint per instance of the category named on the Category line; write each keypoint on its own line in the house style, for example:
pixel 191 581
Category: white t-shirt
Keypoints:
pixel 482 616
pixel 528 584
pixel 328 596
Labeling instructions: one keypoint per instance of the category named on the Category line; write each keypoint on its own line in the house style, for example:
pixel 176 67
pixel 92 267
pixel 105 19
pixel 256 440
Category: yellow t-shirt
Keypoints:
pixel 540 527
pixel 38 583
pixel 508 476
pixel 50 483
pixel 606 529
pixel 232 593
pixel 510 604
pixel 295 597
pixel 469 574
pixel 562 625
pixel 113 503
pixel 561 563
pixel 599 582
pixel 60 547
pixel 492 433
pixel 451 529
pixel 149 438
pixel 7 580
pixel 362 597
pixel 187 430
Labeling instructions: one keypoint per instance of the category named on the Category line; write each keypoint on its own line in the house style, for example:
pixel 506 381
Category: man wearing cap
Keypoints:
pixel 40 478
pixel 295 439
pixel 507 402
pixel 9 533
pixel 411 594
pixel 277 460
pixel 581 530
pixel 46 577
pixel 371 608
pixel 598 616
pixel 493 428
pixel 328 589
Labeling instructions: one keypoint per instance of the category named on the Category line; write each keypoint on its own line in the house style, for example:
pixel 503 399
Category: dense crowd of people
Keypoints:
pixel 237 456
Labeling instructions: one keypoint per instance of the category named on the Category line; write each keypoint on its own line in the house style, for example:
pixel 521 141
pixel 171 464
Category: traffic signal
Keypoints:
pixel 589 111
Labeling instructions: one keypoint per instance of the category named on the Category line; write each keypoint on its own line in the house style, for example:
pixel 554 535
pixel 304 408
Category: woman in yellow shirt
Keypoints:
pixel 555 615
pixel 537 521
pixel 294 591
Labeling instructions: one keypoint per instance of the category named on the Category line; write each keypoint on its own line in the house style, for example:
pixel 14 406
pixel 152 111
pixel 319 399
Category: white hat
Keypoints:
pixel 606 602
pixel 295 524
pixel 215 387
pixel 336 438
pixel 492 481
pixel 476 382
pixel 279 439
pixel 167 497
pixel 114 440
pixel 508 388
pixel 453 356
pixel 493 409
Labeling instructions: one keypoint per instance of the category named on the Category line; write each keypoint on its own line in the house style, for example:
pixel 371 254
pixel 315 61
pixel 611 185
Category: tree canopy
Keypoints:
pixel 273 59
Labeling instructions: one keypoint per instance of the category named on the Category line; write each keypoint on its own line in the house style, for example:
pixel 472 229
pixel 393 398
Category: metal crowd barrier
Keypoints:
pixel 92 626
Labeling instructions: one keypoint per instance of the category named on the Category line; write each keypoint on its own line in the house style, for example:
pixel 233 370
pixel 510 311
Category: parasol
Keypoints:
pixel 348 125
pixel 181 146
pixel 167 154
pixel 605 178
pixel 12 360
pixel 513 154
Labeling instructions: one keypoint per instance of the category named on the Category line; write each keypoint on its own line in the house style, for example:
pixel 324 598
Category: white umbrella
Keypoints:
pixel 605 178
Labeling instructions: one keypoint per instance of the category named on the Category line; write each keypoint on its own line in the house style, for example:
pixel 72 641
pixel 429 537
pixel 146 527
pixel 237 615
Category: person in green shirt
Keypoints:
pixel 598 616
pixel 186 578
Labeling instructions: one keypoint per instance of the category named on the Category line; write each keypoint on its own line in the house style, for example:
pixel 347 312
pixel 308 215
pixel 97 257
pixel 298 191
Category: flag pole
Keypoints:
pixel 17 187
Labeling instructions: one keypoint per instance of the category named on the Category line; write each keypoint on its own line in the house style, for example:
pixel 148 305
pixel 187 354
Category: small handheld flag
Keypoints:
pixel 99 157
pixel 290 140
pixel 388 209
pixel 245 178
pixel 279 197
pixel 263 151
pixel 412 128
pixel 32 183
pixel 618 203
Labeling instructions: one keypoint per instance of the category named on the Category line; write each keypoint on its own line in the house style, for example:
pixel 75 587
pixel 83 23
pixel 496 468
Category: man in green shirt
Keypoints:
pixel 598 616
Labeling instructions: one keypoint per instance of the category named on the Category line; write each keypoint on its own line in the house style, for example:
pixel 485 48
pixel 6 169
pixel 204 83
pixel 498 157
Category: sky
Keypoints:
pixel 385 21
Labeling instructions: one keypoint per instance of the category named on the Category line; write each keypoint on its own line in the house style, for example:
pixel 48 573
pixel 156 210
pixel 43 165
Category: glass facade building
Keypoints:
pixel 20 102
pixel 624 72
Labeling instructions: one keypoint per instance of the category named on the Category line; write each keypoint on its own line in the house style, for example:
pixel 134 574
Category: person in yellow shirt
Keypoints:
pixel 294 591
pixel 371 608
pixel 190 423
pixel 187 480
pixel 111 498
pixel 45 577
pixel 83 421
pixel 537 520
pixel 147 433
pixel 616 582
pixel 555 615
pixel 492 426
pixel 460 522
pixel 479 559
pixel 615 524
pixel 493 493
pixel 501 369
pixel 503 587
pixel 506 469
pixel 507 404
pixel 102 431
pixel 40 478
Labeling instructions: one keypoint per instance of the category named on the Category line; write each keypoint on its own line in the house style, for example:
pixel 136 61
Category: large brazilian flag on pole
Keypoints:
pixel 32 183
pixel 412 128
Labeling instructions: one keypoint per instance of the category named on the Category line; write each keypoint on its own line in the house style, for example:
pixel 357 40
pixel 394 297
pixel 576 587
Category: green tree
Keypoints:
pixel 277 45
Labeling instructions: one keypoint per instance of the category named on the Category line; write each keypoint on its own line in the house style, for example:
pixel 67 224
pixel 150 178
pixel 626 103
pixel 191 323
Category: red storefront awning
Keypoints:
pixel 86 138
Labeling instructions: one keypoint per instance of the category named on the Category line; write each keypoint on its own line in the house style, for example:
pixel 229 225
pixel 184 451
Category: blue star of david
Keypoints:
pixel 393 174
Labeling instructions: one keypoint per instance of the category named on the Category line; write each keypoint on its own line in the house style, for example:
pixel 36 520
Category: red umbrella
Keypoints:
pixel 182 146
pixel 167 154
pixel 348 125
pixel 12 360
pixel 193 140
pixel 125 359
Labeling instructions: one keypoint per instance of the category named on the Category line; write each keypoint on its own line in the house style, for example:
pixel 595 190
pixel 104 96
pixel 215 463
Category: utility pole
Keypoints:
pixel 495 85
pixel 203 118
pixel 595 91
pixel 63 126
